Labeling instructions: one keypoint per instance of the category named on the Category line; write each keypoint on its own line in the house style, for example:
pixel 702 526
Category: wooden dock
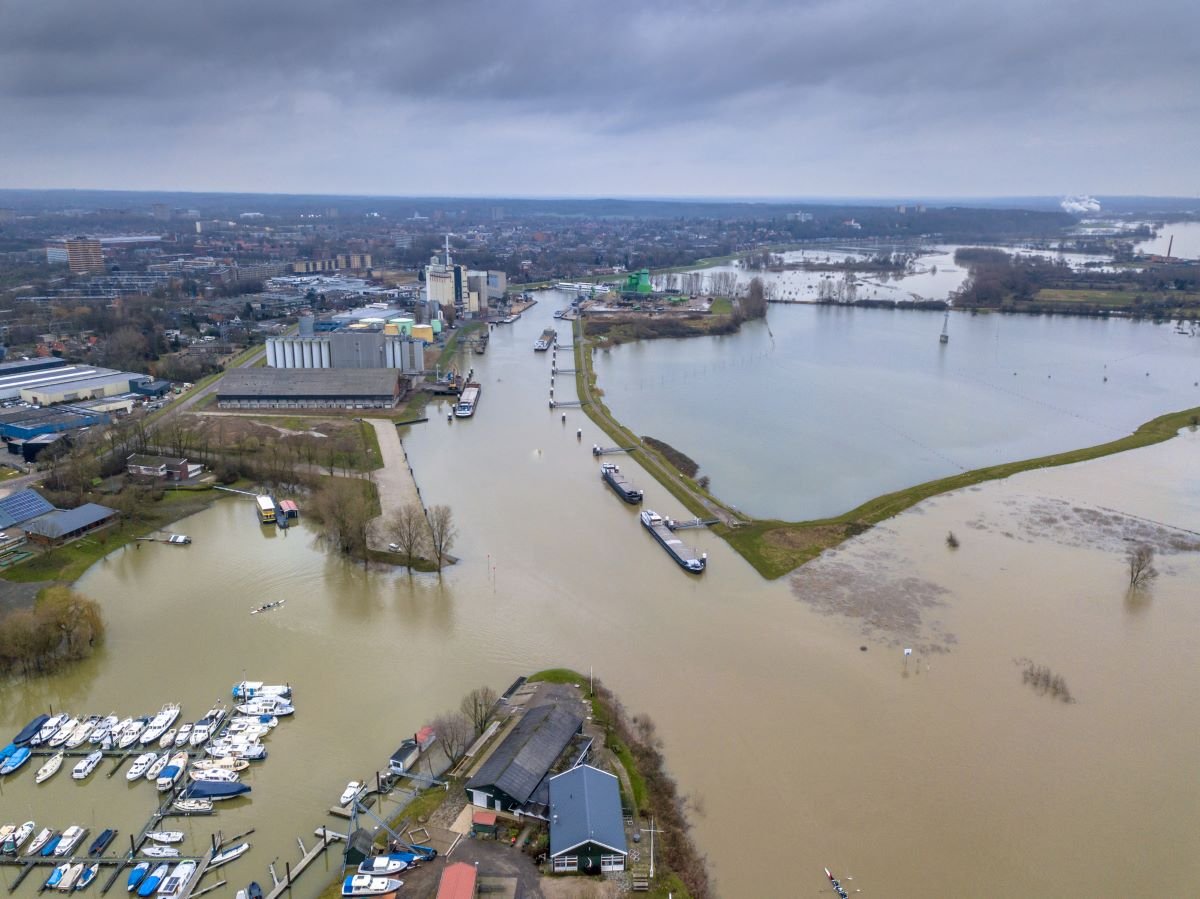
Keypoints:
pixel 308 856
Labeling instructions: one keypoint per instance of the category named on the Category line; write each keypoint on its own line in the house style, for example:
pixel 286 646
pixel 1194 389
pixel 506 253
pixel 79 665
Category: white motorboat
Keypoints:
pixel 170 775
pixel 67 882
pixel 267 705
pixel 351 792
pixel 81 732
pixel 251 689
pixel 157 765
pixel 184 734
pixel 132 732
pixel 87 875
pixel 40 840
pixel 203 729
pixel 267 721
pixel 50 768
pixel 141 765
pixel 215 775
pixel 63 733
pixel 49 728
pixel 70 838
pixel 382 865
pixel 159 851
pixel 238 749
pixel 178 879
pixel 228 855
pixel 159 723
pixel 167 740
pixel 165 836
pixel 194 805
pixel 12 843
pixel 366 885
pixel 103 729
pixel 228 763
pixel 85 766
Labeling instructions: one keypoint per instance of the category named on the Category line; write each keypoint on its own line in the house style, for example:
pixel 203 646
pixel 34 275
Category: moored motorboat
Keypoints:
pixel 101 842
pixel 30 730
pixel 132 732
pixel 16 760
pixel 51 845
pixel 135 876
pixel 169 776
pixel 250 689
pixel 267 705
pixel 228 855
pixel 165 836
pixel 7 751
pixel 158 851
pixel 16 839
pixel 70 839
pixel 50 768
pixel 156 767
pixel 183 735
pixel 167 740
pixel 159 723
pixel 351 792
pixel 87 876
pixel 56 876
pixel 226 763
pixel 193 805
pixel 141 765
pixel 67 882
pixel 85 766
pixel 178 879
pixel 49 728
pixel 199 789
pixel 103 729
pixel 63 733
pixel 39 841
pixel 254 891
pixel 366 885
pixel 82 731
pixel 151 881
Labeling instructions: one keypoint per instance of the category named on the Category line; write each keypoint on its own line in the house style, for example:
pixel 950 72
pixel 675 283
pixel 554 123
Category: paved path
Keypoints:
pixel 394 480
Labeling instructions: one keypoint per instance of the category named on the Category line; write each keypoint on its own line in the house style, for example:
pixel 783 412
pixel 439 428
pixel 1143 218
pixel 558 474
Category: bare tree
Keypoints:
pixel 1141 565
pixel 477 706
pixel 453 732
pixel 441 533
pixel 410 531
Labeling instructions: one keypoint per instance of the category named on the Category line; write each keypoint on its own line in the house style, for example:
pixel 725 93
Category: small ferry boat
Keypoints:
pixel 685 557
pixel 467 401
pixel 613 477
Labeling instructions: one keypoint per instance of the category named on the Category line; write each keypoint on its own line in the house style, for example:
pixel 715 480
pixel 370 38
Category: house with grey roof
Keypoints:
pixel 62 525
pixel 587 825
pixel 511 775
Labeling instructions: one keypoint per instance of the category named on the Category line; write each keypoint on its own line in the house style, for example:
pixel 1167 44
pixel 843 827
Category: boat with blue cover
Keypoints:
pixel 16 760
pixel 135 876
pixel 29 731
pixel 204 789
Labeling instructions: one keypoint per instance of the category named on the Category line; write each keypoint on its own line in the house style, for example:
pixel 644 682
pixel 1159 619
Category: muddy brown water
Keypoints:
pixel 948 776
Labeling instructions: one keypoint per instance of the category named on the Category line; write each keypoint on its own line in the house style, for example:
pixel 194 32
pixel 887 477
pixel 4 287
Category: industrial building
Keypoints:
pixel 276 388
pixel 348 349
pixel 25 423
pixel 57 381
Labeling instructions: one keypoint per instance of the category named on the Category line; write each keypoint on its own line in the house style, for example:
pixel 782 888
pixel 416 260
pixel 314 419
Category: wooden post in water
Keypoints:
pixel 289 873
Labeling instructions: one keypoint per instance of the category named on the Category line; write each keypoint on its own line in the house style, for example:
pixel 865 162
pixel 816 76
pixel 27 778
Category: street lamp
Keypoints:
pixel 652 830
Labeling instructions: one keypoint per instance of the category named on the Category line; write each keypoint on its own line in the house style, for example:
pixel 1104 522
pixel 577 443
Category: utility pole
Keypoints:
pixel 652 830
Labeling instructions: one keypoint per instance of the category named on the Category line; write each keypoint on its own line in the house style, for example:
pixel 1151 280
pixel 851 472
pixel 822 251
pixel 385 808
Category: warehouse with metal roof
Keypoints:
pixel 319 388
pixel 508 778
pixel 61 525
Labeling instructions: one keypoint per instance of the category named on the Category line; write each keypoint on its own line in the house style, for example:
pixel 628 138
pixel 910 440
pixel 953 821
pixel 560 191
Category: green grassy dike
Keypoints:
pixel 776 547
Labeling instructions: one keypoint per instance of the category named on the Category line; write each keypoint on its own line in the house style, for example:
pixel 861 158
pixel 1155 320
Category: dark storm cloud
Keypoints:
pixel 858 68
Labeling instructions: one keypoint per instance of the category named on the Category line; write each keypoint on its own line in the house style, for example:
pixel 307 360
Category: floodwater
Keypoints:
pixel 800 750
pixel 824 407
pixel 1186 237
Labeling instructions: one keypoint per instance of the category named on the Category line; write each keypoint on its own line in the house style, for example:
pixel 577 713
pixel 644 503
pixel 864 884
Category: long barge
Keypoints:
pixel 684 556
pixel 467 401
pixel 621 487
pixel 546 341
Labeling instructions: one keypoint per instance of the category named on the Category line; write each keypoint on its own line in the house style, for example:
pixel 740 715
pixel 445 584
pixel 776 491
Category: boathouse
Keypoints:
pixel 587 826
pixel 63 525
pixel 508 779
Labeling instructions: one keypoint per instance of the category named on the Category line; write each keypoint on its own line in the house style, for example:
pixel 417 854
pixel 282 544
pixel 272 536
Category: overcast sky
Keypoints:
pixel 558 97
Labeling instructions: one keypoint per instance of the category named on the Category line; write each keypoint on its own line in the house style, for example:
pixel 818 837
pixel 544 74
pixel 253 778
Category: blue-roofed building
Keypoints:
pixel 22 506
pixel 587 825
pixel 62 525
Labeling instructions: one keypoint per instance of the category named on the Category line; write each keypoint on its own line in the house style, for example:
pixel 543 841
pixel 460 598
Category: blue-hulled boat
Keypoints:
pixel 16 760
pixel 7 751
pixel 136 875
pixel 51 845
pixel 101 842
pixel 152 880
pixel 29 731
pixel 56 875
pixel 206 789
pixel 88 875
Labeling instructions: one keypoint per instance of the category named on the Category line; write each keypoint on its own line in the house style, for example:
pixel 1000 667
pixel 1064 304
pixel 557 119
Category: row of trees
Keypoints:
pixel 62 626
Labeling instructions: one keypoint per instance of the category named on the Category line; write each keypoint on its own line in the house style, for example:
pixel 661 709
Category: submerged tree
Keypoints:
pixel 441 533
pixel 477 706
pixel 1141 565
pixel 409 531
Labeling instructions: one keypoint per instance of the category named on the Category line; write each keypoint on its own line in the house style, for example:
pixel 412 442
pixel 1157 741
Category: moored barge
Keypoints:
pixel 621 487
pixel 683 555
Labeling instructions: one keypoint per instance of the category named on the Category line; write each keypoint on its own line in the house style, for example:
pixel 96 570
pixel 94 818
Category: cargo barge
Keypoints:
pixel 467 401
pixel 684 556
pixel 613 477
pixel 546 341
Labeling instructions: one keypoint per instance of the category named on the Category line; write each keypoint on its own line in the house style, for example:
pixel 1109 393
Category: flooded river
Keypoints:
pixel 800 750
